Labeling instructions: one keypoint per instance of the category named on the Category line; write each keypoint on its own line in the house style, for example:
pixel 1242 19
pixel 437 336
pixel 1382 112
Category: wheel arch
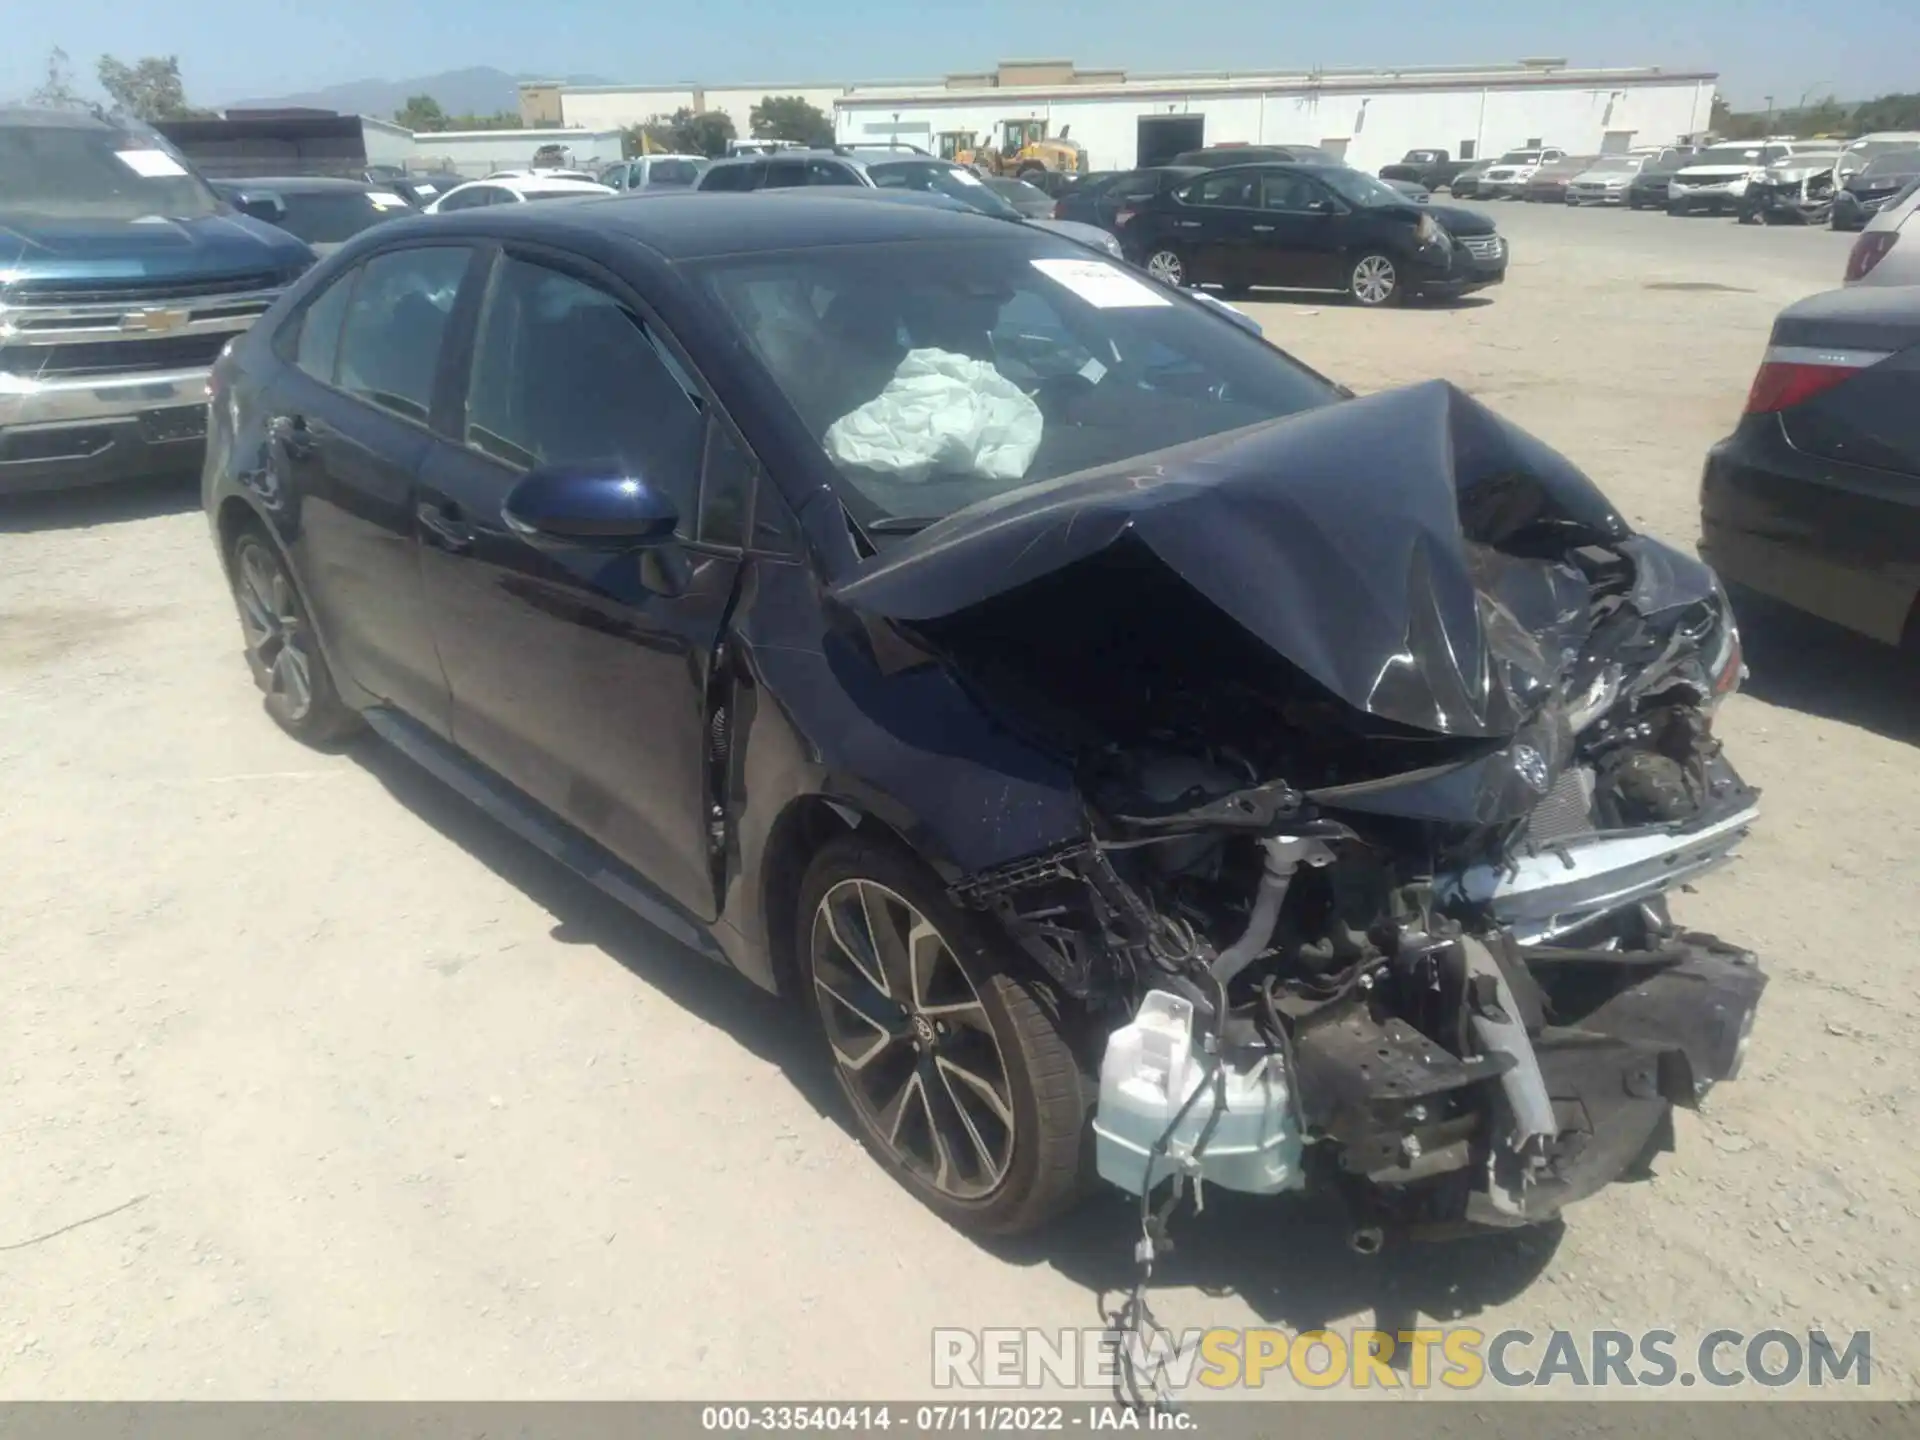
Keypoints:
pixel 799 831
pixel 236 514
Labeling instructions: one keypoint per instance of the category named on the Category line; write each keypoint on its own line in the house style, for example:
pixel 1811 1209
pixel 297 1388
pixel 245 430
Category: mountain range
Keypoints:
pixel 478 90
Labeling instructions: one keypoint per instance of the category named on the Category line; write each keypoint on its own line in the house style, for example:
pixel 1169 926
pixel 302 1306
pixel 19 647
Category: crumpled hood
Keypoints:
pixel 1403 550
pixel 33 249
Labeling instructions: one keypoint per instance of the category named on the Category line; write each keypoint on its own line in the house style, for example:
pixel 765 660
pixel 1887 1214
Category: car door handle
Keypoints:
pixel 445 527
pixel 291 434
pixel 1263 229
pixel 1189 224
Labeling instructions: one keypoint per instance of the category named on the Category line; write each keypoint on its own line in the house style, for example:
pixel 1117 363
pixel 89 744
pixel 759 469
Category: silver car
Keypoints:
pixel 1605 181
pixel 1888 250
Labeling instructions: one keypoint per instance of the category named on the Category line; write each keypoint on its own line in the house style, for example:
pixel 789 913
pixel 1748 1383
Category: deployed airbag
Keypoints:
pixel 943 414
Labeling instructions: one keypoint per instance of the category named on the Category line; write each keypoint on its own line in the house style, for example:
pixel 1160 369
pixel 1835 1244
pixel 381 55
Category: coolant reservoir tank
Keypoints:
pixel 1151 1067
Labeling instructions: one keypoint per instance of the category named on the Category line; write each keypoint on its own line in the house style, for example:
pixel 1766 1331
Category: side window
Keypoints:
pixel 564 374
pixel 1233 188
pixel 1134 187
pixel 319 332
pixel 830 172
pixel 470 199
pixel 726 489
pixel 785 174
pixel 1282 191
pixel 729 177
pixel 774 528
pixel 390 348
pixel 1773 153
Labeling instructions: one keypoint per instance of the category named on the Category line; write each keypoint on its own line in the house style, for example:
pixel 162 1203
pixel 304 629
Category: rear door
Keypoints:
pixel 348 431
pixel 580 675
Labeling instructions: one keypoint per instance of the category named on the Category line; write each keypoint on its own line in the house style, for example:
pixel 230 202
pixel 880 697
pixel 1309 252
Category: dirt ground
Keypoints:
pixel 315 1084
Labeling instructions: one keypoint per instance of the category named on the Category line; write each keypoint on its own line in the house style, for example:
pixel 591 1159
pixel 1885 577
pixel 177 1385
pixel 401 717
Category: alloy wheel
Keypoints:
pixel 912 1040
pixel 1167 267
pixel 1374 280
pixel 276 638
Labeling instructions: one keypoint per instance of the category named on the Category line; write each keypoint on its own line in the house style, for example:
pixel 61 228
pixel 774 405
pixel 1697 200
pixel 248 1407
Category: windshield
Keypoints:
pixel 934 376
pixel 943 179
pixel 1519 157
pixel 1360 188
pixel 1614 165
pixel 89 172
pixel 1894 162
pixel 1727 155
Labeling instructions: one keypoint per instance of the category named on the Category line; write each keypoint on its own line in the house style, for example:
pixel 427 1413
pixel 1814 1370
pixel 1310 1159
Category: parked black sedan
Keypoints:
pixel 1877 184
pixel 1814 500
pixel 324 211
pixel 970 637
pixel 1313 227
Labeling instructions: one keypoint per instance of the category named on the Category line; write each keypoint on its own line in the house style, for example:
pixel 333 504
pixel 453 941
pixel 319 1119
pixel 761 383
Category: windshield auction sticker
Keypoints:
pixel 1103 286
pixel 150 164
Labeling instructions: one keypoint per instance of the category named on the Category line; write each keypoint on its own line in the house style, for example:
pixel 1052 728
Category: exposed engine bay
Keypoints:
pixel 1389 765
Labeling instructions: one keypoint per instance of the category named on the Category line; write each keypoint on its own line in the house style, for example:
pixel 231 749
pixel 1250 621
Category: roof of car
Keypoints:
pixel 697 225
pixel 540 184
pixel 313 184
pixel 18 117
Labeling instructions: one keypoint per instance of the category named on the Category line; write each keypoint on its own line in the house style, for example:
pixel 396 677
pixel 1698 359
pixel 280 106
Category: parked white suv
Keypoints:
pixel 1718 176
pixel 1508 176
pixel 1888 250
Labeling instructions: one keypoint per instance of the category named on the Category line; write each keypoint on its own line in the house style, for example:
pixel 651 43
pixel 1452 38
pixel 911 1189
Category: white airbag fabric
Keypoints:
pixel 942 414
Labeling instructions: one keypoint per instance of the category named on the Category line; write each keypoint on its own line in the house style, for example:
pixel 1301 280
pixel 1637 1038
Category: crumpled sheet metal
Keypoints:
pixel 1404 550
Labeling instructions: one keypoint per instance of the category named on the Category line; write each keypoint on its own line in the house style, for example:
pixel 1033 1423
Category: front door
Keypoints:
pixel 579 675
pixel 1298 233
pixel 347 430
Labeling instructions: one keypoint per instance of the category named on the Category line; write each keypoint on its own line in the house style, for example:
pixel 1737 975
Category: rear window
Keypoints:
pixel 330 217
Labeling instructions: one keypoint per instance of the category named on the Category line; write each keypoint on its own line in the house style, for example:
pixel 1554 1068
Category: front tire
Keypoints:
pixel 283 649
pixel 956 1066
pixel 1168 266
pixel 1373 280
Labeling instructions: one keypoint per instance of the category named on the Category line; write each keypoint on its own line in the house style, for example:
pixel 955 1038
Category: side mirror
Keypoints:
pixel 1324 207
pixel 261 205
pixel 594 509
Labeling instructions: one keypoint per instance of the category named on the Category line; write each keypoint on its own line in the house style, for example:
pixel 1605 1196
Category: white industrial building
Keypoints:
pixel 1369 117
pixel 475 153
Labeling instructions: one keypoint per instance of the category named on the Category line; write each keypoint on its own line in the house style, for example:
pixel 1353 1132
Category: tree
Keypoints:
pixel 150 88
pixel 421 112
pixel 688 132
pixel 1889 112
pixel 789 117
pixel 56 92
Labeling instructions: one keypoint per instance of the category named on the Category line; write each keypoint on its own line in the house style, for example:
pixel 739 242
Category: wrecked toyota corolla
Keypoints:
pixel 1146 760
pixel 1393 738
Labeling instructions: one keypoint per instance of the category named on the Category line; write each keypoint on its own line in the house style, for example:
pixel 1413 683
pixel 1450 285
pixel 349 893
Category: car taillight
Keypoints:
pixel 1121 217
pixel 1793 374
pixel 1868 251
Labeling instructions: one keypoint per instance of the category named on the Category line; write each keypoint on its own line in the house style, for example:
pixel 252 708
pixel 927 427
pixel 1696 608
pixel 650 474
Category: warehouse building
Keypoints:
pixel 1123 119
pixel 1368 118
pixel 473 153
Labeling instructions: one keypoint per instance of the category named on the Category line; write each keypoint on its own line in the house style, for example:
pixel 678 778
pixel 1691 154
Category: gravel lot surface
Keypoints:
pixel 314 1083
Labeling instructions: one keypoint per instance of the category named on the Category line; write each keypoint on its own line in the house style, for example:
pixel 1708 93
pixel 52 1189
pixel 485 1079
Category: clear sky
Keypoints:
pixel 235 49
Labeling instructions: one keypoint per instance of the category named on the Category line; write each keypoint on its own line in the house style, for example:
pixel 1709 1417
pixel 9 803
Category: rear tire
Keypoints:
pixel 956 1066
pixel 283 648
pixel 1168 266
